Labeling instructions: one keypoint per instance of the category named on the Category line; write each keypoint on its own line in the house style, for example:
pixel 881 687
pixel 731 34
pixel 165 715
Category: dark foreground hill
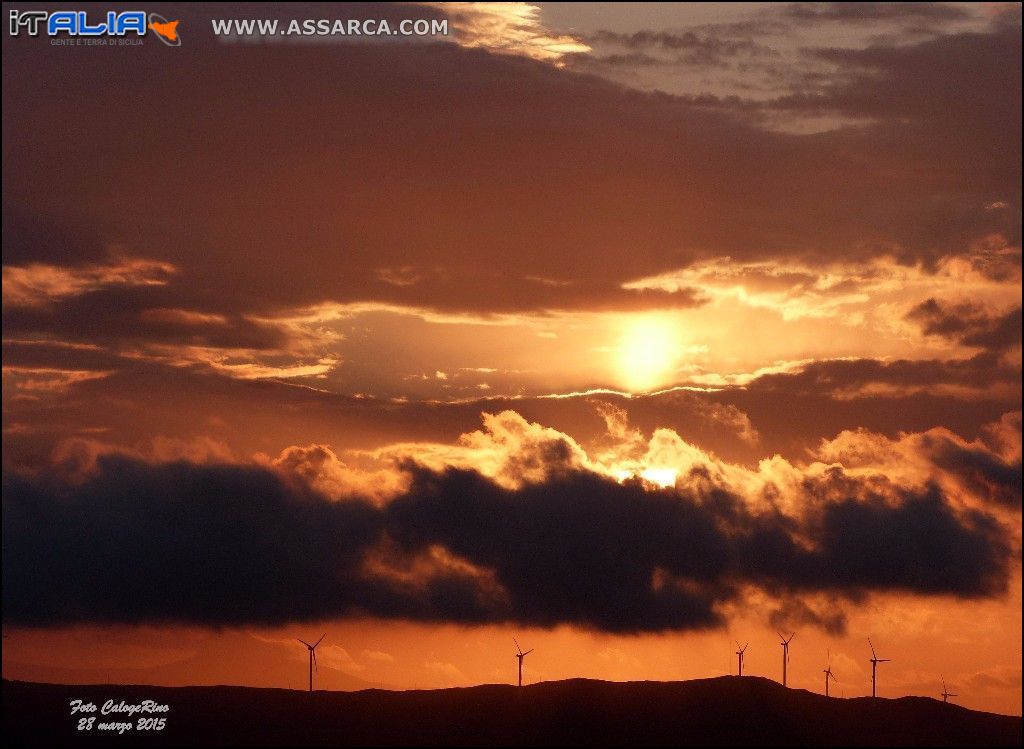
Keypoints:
pixel 726 711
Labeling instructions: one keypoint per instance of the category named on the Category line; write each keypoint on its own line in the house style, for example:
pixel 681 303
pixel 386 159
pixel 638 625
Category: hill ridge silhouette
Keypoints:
pixel 716 711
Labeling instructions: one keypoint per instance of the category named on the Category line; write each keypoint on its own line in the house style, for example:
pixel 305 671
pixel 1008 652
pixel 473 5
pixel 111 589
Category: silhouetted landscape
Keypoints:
pixel 720 711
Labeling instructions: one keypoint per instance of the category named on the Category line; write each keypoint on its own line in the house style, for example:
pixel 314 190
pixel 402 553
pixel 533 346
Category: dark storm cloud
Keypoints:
pixel 849 377
pixel 970 77
pixel 951 321
pixel 1003 333
pixel 629 59
pixel 685 47
pixel 869 12
pixel 175 542
pixel 121 316
pixel 325 172
pixel 44 354
pixel 969 324
pixel 794 612
pixel 984 473
pixel 219 544
pixel 917 545
pixel 957 95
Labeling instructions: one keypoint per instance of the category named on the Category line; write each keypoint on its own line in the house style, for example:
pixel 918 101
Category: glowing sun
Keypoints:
pixel 648 353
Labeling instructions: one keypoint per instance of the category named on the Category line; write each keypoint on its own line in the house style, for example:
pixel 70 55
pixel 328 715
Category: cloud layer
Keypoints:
pixel 261 240
pixel 648 535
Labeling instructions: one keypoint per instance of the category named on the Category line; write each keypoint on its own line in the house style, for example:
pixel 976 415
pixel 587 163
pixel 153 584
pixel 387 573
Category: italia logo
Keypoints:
pixel 79 23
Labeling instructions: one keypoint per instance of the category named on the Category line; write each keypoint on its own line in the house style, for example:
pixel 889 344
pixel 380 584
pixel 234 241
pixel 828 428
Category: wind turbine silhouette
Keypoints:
pixel 785 654
pixel 312 657
pixel 520 655
pixel 739 656
pixel 828 671
pixel 875 660
pixel 946 694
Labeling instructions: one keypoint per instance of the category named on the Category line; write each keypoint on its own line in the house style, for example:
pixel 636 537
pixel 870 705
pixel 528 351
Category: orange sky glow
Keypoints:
pixel 628 335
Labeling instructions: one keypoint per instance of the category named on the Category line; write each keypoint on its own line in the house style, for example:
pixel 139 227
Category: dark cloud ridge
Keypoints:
pixel 969 324
pixel 223 545
pixel 867 12
pixel 353 142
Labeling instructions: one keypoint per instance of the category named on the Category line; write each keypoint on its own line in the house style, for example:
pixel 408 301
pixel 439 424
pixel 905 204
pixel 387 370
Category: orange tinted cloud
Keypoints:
pixel 509 28
pixel 37 284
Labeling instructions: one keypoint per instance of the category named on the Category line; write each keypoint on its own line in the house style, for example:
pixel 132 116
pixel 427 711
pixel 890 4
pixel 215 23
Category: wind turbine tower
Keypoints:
pixel 875 660
pixel 785 654
pixel 739 656
pixel 828 672
pixel 520 655
pixel 312 657
pixel 946 694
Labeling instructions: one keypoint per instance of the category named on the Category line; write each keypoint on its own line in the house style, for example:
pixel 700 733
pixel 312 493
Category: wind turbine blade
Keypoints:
pixel 315 666
pixel 873 653
pixel 321 639
pixel 305 643
pixel 781 636
pixel 529 651
pixel 518 649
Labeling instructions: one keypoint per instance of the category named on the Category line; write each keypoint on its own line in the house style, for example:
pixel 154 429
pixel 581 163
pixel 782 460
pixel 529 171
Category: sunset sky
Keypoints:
pixel 628 330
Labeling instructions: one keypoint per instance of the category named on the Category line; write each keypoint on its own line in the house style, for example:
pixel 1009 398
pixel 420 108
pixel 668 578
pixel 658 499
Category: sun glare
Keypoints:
pixel 659 475
pixel 663 477
pixel 648 353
